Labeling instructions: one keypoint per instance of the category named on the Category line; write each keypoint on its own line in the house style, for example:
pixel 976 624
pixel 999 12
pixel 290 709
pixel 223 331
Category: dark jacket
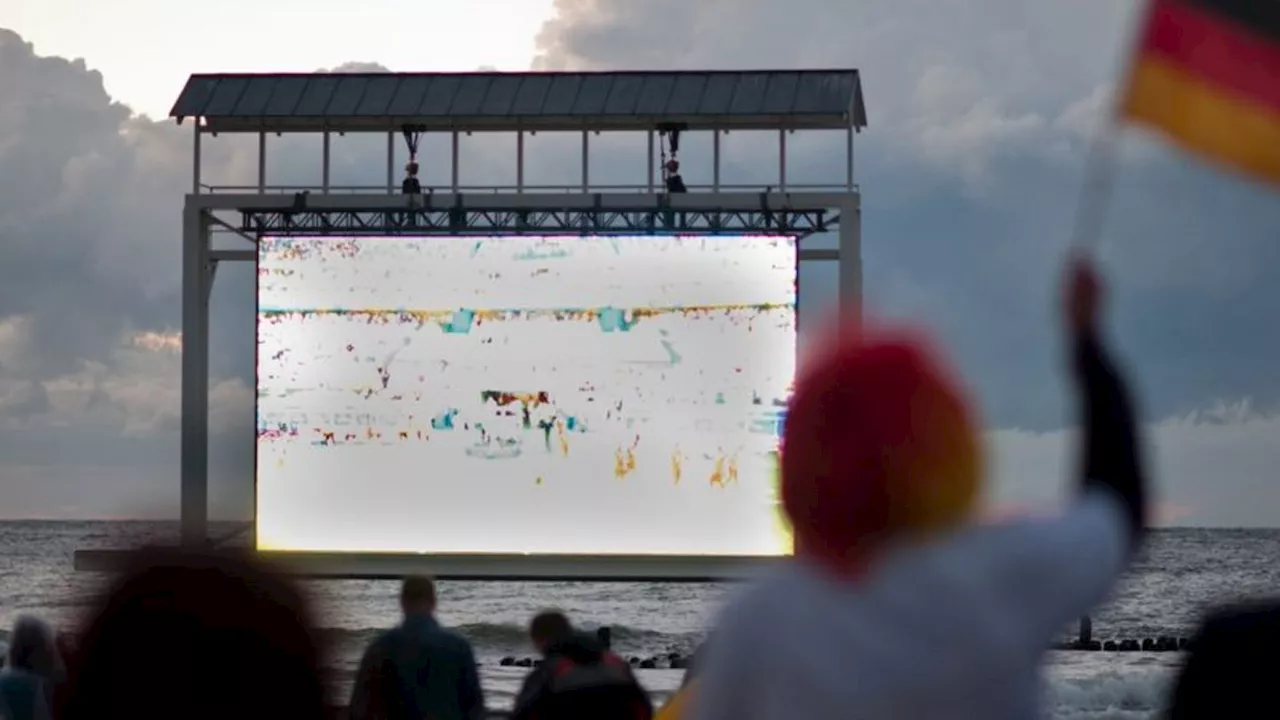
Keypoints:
pixel 24 696
pixel 418 671
pixel 543 696
pixel 1230 671
pixel 32 671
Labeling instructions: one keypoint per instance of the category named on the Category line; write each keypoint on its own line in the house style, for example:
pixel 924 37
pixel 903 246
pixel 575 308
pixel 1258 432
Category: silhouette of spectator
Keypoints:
pixel 1231 666
pixel 675 183
pixel 896 606
pixel 32 673
pixel 418 669
pixel 577 678
pixel 198 635
pixel 411 185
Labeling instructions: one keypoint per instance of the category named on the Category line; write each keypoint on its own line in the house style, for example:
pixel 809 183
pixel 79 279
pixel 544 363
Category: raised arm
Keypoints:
pixel 1110 452
pixel 1046 573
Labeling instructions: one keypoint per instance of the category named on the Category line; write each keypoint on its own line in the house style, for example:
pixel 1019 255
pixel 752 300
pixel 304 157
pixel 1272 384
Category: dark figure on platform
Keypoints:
pixel 199 636
pixel 577 678
pixel 32 672
pixel 411 185
pixel 419 669
pixel 1230 672
pixel 675 183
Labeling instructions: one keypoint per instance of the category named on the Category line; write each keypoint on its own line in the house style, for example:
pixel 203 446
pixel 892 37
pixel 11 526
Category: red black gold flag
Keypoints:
pixel 1206 73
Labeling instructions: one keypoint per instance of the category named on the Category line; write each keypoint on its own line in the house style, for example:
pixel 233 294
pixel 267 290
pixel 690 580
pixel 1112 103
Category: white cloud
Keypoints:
pixel 1213 468
pixel 135 390
pixel 958 122
pixel 956 81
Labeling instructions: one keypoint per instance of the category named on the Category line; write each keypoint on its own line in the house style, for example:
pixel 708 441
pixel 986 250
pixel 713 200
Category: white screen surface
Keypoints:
pixel 550 395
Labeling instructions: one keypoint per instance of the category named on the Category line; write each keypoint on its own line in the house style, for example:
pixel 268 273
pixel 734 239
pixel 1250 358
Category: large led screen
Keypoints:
pixel 550 395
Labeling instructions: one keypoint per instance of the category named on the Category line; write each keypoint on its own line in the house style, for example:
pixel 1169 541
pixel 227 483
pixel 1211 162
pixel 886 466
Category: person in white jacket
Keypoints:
pixel 896 605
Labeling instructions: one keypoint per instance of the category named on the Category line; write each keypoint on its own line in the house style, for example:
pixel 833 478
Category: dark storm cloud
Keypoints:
pixel 60 148
pixel 971 171
pixel 90 244
pixel 90 234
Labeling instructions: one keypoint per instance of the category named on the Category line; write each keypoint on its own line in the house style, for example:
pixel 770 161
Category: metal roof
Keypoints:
pixel 355 102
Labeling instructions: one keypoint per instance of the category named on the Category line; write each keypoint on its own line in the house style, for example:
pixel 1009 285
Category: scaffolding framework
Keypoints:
pixel 715 103
pixel 523 221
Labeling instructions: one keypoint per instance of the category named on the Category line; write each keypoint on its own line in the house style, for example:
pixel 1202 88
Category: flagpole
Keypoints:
pixel 1100 164
pixel 1099 179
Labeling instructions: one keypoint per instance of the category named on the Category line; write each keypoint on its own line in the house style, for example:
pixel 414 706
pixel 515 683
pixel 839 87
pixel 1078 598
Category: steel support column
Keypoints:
pixel 715 161
pixel 848 159
pixel 651 162
pixel 453 182
pixel 324 162
pixel 391 161
pixel 195 160
pixel 586 161
pixel 196 277
pixel 519 161
pixel 782 160
pixel 850 272
pixel 262 162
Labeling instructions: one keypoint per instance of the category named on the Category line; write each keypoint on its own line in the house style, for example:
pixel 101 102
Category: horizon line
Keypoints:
pixel 176 520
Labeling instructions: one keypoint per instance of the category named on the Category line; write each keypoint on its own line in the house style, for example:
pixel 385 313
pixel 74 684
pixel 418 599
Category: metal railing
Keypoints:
pixel 532 189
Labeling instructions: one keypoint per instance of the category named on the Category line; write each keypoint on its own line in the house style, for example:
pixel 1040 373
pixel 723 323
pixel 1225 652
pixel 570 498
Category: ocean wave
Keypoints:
pixel 1110 686
pixel 514 638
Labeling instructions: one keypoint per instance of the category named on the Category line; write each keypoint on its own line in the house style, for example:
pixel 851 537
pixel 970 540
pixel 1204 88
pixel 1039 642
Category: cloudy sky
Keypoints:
pixel 971 167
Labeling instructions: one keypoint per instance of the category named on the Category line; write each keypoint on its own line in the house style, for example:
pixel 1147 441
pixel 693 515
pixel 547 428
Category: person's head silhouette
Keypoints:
pixel 879 445
pixel 197 635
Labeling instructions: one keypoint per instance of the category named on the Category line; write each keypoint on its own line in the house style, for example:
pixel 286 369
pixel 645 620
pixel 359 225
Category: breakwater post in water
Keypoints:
pixel 604 635
pixel 670 661
pixel 1084 642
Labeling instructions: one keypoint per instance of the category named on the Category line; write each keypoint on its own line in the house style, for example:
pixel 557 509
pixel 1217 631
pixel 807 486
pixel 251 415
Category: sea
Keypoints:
pixel 1179 575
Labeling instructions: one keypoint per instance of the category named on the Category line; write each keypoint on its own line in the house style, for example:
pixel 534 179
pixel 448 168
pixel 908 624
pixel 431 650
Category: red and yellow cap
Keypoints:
pixel 879 443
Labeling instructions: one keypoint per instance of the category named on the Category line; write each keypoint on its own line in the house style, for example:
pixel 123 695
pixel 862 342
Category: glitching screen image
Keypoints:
pixel 542 395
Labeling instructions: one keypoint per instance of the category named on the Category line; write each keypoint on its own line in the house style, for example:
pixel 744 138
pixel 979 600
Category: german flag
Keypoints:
pixel 1206 73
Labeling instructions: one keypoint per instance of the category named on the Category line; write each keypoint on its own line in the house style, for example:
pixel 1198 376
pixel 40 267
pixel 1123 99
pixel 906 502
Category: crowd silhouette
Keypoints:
pixel 895 606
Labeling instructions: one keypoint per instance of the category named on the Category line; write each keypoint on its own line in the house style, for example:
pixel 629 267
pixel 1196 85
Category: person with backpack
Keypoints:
pixel 578 678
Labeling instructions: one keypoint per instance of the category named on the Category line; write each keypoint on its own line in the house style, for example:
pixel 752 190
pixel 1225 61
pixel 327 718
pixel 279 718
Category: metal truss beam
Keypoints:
pixel 217 256
pixel 467 221
pixel 230 228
